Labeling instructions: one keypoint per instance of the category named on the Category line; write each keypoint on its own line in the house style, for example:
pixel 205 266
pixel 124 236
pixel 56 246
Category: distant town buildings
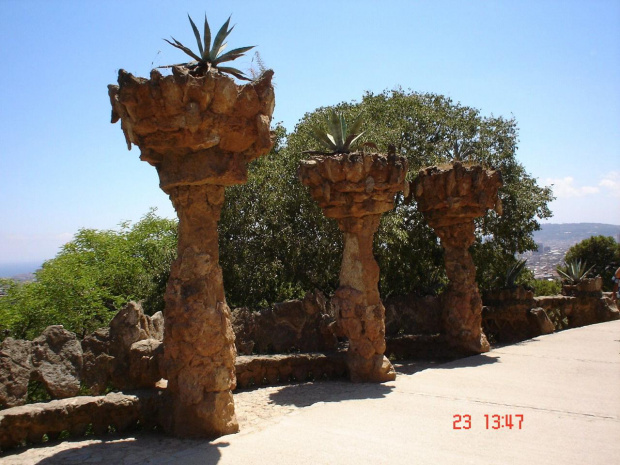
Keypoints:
pixel 545 260
pixel 554 240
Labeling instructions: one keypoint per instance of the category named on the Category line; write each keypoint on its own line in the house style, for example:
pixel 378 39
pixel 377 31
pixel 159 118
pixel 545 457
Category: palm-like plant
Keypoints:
pixel 574 272
pixel 513 273
pixel 210 56
pixel 339 137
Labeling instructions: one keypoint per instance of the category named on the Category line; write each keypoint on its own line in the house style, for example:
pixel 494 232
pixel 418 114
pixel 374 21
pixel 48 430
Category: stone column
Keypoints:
pixel 450 199
pixel 199 133
pixel 356 189
pixel 199 343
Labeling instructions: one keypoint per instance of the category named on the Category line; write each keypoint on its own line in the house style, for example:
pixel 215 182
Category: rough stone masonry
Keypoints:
pixel 356 189
pixel 199 133
pixel 451 198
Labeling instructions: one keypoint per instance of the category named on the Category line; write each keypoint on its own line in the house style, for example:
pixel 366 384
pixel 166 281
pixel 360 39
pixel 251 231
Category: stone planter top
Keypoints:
pixel 176 120
pixel 586 286
pixel 354 184
pixel 456 193
pixel 499 296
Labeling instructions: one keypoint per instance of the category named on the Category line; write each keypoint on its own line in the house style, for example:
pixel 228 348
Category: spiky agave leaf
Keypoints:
pixel 207 39
pixel 218 42
pixel 354 133
pixel 197 35
pixel 180 46
pixel 232 55
pixel 356 125
pixel 234 71
pixel 335 128
pixel 321 136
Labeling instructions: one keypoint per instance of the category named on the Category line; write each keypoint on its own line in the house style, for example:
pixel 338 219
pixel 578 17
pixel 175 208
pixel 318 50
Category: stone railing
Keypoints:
pixel 290 368
pixel 77 416
pixel 128 353
pixel 515 314
pixel 124 355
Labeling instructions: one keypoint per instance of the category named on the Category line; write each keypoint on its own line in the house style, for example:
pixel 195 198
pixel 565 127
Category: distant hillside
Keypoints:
pixel 571 233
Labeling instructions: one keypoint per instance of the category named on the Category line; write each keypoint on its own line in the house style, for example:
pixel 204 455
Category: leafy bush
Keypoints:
pixel 92 277
pixel 602 252
pixel 545 287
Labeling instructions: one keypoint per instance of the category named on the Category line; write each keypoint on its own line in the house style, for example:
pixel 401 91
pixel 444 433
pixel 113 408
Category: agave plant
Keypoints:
pixel 339 137
pixel 513 273
pixel 210 56
pixel 574 272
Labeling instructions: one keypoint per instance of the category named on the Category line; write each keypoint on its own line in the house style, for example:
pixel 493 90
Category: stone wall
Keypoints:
pixel 515 314
pixel 128 353
pixel 75 416
pixel 292 326
pixel 412 314
pixel 124 355
pixel 273 369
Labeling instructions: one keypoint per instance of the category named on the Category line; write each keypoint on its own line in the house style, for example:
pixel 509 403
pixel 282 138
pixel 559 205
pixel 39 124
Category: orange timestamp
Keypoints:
pixel 491 421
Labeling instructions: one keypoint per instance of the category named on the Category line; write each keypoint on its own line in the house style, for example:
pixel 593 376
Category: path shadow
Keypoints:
pixel 304 395
pixel 142 448
pixel 471 361
pixel 409 367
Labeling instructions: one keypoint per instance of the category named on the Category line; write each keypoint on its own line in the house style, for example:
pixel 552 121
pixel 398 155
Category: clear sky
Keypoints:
pixel 553 64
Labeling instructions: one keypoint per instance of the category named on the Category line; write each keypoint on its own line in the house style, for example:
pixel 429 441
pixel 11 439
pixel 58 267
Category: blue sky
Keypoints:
pixel 554 65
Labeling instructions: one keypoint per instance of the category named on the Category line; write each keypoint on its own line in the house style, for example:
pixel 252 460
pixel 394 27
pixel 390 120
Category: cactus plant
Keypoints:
pixel 513 273
pixel 210 56
pixel 338 137
pixel 574 271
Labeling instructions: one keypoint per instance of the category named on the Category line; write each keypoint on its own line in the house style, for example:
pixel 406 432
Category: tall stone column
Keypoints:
pixel 356 189
pixel 450 199
pixel 199 133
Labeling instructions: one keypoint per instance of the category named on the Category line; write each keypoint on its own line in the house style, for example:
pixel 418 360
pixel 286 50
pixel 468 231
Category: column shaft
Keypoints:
pixel 198 337
pixel 360 311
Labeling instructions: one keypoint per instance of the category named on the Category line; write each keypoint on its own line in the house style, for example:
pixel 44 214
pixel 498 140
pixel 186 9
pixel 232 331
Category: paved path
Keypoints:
pixel 565 387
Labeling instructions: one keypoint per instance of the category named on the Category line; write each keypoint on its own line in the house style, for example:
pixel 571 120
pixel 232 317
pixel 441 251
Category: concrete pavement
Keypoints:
pixel 562 392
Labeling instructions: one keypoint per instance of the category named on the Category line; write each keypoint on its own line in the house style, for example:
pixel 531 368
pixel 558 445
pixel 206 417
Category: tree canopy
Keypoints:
pixel 92 277
pixel 276 243
pixel 600 252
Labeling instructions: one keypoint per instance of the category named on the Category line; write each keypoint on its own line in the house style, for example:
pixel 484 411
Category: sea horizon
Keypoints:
pixel 8 270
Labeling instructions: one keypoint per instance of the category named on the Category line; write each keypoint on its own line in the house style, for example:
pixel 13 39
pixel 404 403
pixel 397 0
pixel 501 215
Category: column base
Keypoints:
pixel 464 343
pixel 376 369
pixel 209 419
pixel 462 319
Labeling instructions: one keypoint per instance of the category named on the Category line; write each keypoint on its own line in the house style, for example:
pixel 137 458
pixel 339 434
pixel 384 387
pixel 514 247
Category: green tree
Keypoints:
pixel 276 242
pixel 600 252
pixel 92 277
